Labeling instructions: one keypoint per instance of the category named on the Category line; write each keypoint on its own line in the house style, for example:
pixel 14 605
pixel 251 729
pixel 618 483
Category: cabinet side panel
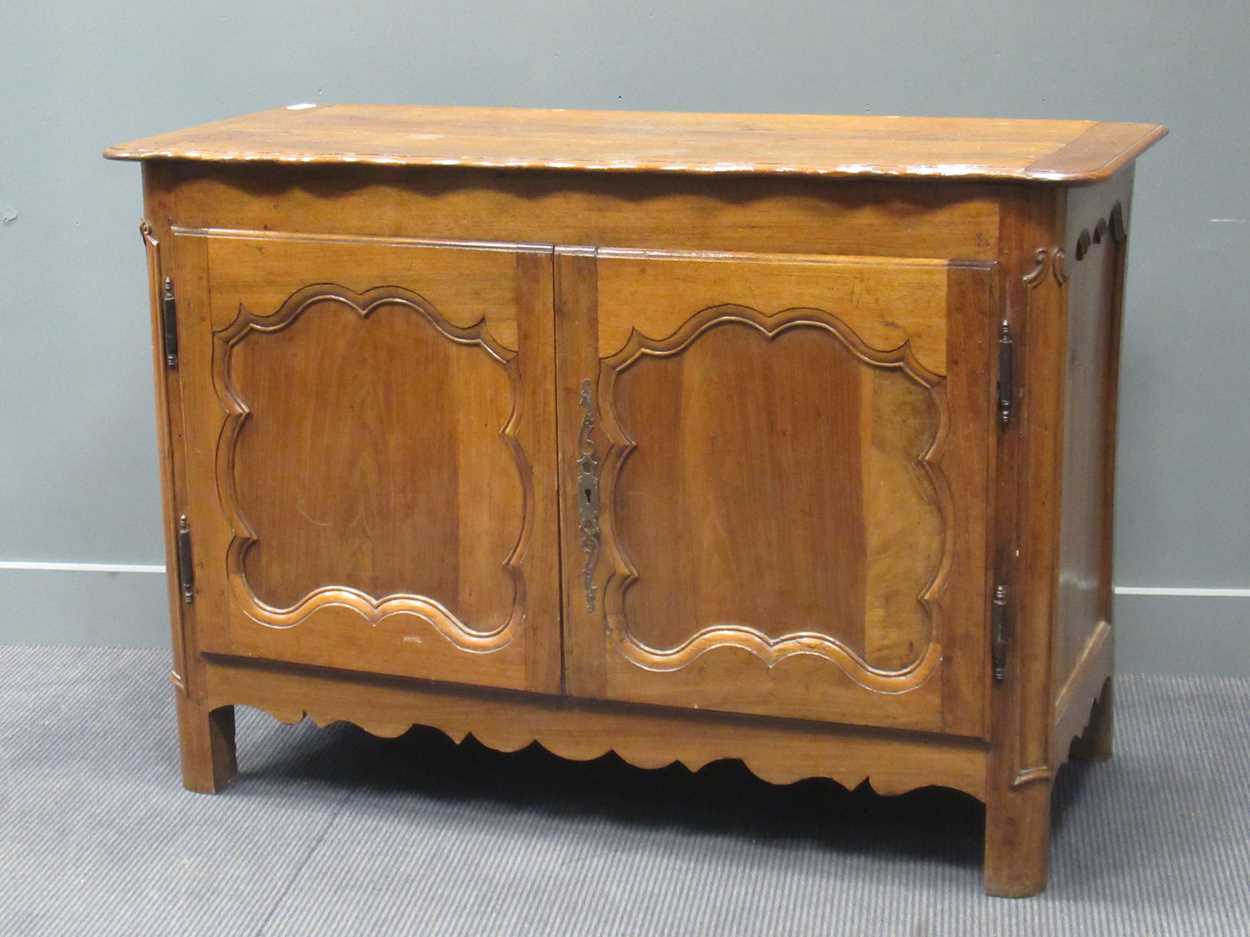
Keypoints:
pixel 1095 243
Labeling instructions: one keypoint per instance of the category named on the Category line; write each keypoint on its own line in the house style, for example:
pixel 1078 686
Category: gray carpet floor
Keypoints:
pixel 334 832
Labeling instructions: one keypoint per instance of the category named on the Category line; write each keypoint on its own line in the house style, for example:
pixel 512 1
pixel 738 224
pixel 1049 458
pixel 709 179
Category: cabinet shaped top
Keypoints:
pixel 1065 151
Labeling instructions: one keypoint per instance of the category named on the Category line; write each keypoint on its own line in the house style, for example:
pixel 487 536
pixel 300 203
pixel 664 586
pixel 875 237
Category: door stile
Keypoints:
pixel 580 449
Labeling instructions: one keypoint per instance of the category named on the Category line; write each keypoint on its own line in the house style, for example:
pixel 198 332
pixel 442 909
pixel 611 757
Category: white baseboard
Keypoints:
pixel 43 566
pixel 1182 632
pixel 1184 592
pixel 1159 629
pixel 83 603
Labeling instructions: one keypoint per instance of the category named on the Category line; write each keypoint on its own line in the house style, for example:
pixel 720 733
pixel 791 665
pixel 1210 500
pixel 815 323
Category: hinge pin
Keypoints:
pixel 186 572
pixel 169 323
pixel 998 624
pixel 1006 379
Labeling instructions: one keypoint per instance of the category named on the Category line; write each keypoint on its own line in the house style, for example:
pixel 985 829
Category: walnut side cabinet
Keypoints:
pixel 780 438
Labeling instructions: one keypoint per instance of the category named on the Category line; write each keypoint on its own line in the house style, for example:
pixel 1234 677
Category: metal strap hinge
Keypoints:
pixel 1000 633
pixel 186 571
pixel 1006 376
pixel 169 323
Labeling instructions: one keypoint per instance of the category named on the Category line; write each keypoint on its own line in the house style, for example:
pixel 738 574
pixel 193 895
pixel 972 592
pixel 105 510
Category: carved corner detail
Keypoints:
pixel 1119 231
pixel 1026 776
pixel 1047 258
pixel 1112 225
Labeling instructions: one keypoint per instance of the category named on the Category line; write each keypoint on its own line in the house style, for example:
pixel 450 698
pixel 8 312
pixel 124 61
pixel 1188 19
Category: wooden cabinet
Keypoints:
pixel 787 439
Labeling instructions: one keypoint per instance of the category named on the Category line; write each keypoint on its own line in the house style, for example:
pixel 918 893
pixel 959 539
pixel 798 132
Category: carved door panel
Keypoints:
pixel 775 473
pixel 369 444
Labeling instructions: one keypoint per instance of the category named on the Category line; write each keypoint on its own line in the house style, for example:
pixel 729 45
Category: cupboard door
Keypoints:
pixel 369 445
pixel 775 473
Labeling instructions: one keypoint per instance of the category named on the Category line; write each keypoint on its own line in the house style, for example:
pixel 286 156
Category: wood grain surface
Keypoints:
pixel 370 464
pixel 639 141
pixel 792 518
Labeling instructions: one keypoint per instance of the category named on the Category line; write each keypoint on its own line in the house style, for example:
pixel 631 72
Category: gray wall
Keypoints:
pixel 78 481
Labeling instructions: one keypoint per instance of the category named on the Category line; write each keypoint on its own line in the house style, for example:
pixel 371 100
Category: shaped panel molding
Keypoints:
pixel 371 608
pixel 771 649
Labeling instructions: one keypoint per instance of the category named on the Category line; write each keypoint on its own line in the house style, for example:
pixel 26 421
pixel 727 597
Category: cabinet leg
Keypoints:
pixel 207 741
pixel 1094 744
pixel 1017 841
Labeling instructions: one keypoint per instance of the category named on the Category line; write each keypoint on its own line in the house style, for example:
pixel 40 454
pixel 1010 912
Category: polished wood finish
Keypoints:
pixel 777 750
pixel 206 736
pixel 794 503
pixel 686 464
pixel 632 141
pixel 647 211
pixel 403 527
pixel 1027 502
pixel 1096 239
